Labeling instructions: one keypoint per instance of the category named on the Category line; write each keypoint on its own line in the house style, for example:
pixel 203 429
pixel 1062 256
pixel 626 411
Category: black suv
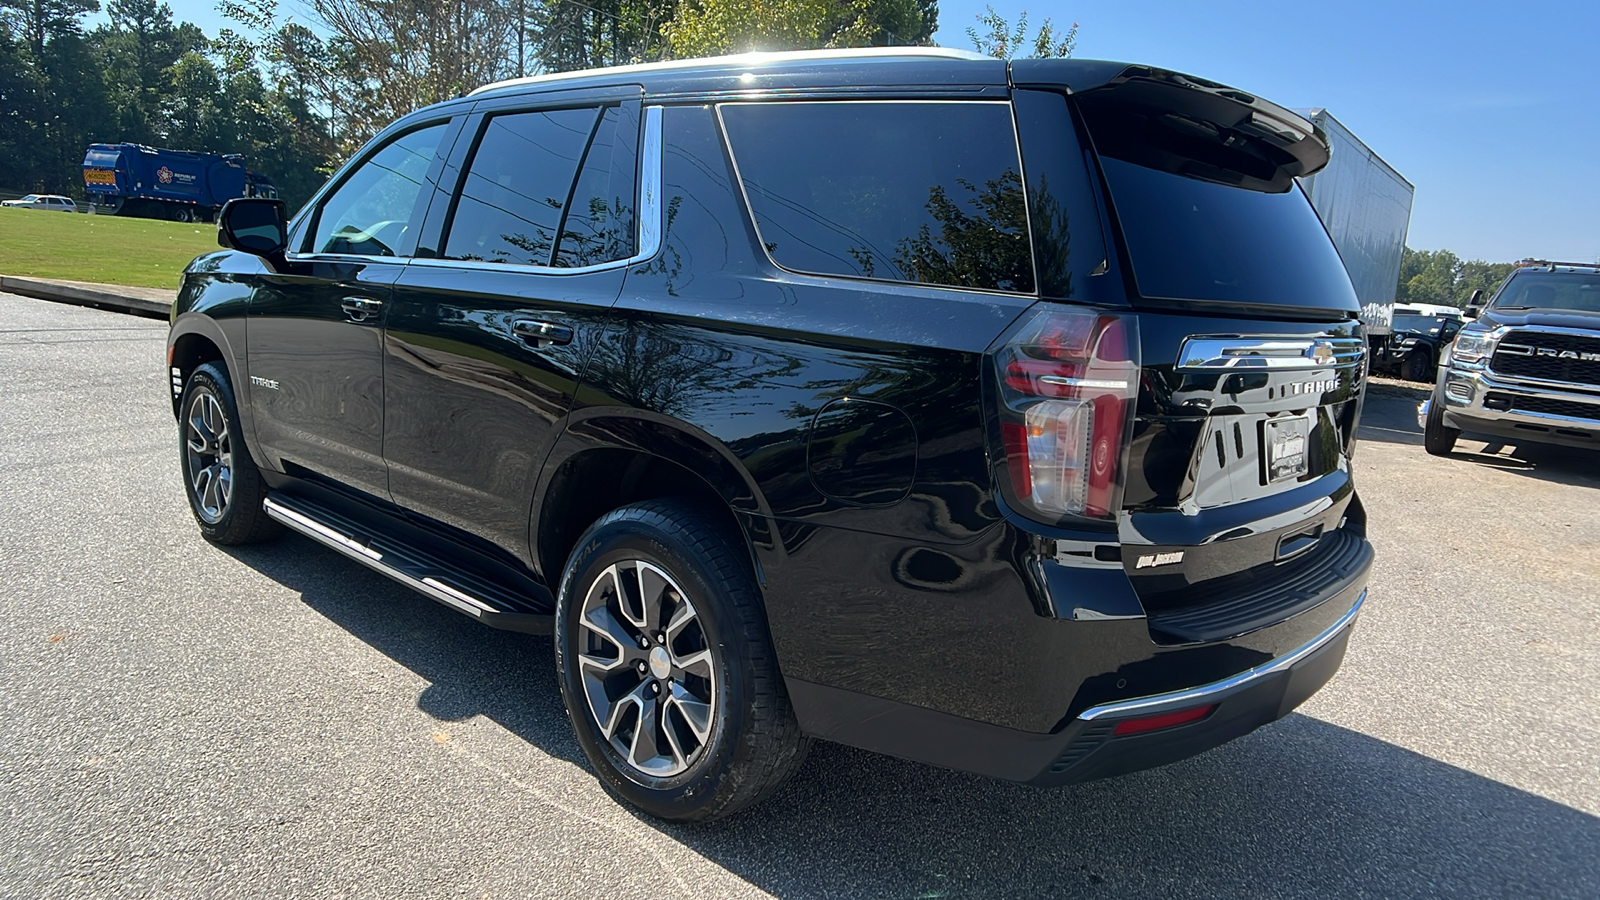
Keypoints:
pixel 992 415
pixel 1528 369
pixel 1415 345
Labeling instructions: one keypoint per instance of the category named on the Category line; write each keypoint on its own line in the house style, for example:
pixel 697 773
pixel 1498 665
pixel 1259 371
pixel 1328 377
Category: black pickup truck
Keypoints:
pixel 1015 439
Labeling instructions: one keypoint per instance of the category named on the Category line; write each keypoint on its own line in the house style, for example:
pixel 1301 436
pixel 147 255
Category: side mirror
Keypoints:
pixel 253 225
pixel 1474 304
pixel 1472 312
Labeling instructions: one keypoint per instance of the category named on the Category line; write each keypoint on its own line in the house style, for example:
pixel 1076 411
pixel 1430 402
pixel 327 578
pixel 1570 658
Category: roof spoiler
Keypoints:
pixel 1182 124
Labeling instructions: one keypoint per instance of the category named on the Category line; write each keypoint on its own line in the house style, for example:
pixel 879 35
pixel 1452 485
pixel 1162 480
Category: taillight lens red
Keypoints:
pixel 1165 720
pixel 1067 382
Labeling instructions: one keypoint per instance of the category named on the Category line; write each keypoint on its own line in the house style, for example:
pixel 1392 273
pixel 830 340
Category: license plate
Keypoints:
pixel 1287 440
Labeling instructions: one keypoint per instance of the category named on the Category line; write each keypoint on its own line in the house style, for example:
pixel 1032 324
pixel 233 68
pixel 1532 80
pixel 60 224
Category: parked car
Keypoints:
pixel 1415 344
pixel 937 448
pixel 1528 370
pixel 51 202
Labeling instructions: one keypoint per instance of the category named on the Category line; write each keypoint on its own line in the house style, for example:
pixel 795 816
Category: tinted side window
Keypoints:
pixel 370 212
pixel 518 185
pixel 599 223
pixel 925 192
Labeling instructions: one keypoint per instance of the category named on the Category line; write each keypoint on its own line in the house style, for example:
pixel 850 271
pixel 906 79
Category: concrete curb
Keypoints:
pixel 139 301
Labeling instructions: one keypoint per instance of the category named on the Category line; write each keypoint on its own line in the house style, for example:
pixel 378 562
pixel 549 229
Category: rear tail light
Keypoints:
pixel 1067 382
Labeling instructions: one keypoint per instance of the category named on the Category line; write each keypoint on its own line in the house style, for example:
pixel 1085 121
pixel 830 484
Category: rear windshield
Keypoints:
pixel 1551 290
pixel 1200 240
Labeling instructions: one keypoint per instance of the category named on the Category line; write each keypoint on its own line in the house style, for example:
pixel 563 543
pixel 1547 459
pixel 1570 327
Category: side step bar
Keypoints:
pixel 423 572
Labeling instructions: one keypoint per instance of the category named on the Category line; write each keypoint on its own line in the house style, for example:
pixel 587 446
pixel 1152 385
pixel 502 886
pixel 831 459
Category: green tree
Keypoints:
pixel 714 27
pixel 141 45
pixel 1443 278
pixel 1477 275
pixel 40 21
pixel 998 39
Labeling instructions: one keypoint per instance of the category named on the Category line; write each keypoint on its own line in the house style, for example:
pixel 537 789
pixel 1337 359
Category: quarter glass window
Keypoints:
pixel 923 192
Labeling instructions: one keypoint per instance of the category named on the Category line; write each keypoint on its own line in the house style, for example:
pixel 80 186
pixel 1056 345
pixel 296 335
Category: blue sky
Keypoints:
pixel 1491 110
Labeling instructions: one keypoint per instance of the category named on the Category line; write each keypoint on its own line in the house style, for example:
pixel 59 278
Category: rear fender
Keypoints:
pixel 655 436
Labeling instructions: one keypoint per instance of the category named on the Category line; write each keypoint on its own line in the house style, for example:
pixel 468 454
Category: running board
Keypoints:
pixel 424 572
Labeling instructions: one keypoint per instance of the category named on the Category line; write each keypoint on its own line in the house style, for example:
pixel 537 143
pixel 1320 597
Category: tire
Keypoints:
pixel 1418 367
pixel 1437 438
pixel 716 733
pixel 224 487
pixel 183 214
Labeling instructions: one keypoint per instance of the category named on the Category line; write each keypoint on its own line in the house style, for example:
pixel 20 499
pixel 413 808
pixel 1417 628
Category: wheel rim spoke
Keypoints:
pixel 646 746
pixel 635 700
pixel 653 587
pixel 601 623
pixel 202 483
pixel 629 601
pixel 696 713
pixel 682 617
pixel 698 662
pixel 211 498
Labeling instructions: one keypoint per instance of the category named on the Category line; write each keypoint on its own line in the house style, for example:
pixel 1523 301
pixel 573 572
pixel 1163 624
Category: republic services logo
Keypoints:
pixel 164 175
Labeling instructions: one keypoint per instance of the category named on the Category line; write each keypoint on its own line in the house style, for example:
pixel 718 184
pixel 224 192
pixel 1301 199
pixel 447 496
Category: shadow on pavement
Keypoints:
pixel 1300 808
pixel 1390 416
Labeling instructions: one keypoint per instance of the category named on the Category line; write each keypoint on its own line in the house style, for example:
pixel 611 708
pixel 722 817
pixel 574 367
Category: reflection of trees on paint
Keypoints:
pixel 676 371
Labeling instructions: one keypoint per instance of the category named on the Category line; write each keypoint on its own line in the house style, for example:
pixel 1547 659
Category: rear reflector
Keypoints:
pixel 1165 720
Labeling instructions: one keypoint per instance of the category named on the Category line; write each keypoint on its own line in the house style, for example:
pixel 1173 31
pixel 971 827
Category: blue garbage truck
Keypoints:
pixel 179 185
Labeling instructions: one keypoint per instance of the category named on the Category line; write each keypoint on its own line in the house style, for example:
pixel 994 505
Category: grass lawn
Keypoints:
pixel 107 249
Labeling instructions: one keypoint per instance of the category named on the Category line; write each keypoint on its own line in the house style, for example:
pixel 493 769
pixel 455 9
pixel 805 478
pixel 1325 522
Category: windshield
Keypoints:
pixel 1198 240
pixel 1429 325
pixel 1551 290
pixel 30 197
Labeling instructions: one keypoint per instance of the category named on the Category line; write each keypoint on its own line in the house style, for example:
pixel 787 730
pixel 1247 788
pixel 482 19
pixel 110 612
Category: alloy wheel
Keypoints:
pixel 209 451
pixel 647 670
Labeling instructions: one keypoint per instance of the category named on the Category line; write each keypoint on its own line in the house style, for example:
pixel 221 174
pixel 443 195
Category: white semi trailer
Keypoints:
pixel 1366 206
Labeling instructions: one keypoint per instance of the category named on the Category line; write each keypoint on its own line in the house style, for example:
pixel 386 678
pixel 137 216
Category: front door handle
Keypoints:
pixel 360 309
pixel 541 334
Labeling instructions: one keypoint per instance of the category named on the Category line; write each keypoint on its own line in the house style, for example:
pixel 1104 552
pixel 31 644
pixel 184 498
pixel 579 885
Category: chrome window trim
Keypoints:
pixel 647 218
pixel 1175 700
pixel 750 210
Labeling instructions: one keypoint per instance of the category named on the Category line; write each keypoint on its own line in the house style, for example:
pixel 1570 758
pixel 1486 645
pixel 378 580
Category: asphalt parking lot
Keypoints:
pixel 184 720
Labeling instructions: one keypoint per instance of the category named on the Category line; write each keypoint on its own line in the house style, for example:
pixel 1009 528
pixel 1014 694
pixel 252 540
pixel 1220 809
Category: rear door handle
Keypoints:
pixel 359 309
pixel 541 334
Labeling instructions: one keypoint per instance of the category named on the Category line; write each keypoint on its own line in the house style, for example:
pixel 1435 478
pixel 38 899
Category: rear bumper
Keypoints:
pixel 1479 402
pixel 1088 747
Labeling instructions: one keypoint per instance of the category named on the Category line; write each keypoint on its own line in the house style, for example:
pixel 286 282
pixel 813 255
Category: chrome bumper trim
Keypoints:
pixel 1176 700
pixel 1483 381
